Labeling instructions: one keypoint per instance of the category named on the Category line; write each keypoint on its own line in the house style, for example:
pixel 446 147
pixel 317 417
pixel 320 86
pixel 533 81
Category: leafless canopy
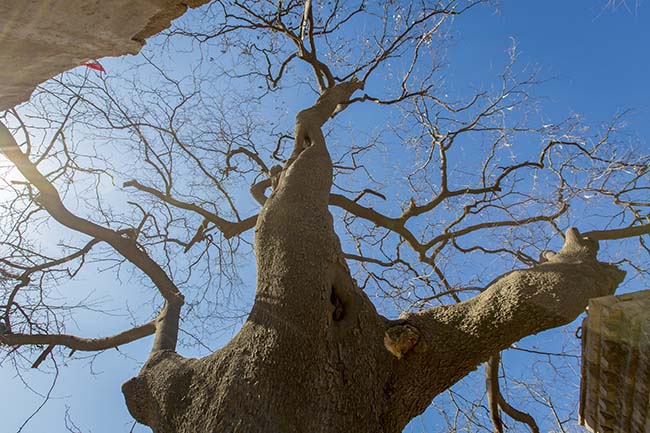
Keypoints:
pixel 157 173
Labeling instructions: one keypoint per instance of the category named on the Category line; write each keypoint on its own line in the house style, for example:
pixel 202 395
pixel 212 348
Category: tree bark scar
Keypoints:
pixel 400 339
pixel 339 309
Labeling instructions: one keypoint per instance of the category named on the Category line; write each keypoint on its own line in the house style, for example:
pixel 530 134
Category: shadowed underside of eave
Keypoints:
pixel 42 38
pixel 615 385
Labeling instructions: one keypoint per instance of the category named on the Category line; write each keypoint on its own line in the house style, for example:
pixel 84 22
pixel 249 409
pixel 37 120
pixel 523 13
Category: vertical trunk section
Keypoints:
pixel 310 357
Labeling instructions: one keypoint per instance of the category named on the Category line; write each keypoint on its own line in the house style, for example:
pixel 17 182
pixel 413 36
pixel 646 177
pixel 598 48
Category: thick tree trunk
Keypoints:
pixel 314 355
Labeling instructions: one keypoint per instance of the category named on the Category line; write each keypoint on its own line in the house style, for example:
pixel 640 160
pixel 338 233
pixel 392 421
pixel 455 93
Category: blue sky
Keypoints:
pixel 597 63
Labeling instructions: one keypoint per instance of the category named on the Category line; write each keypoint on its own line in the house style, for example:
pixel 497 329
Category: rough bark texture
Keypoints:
pixel 314 354
pixel 42 38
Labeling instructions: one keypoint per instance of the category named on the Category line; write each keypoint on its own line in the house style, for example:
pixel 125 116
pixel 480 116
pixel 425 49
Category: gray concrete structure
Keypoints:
pixel 42 38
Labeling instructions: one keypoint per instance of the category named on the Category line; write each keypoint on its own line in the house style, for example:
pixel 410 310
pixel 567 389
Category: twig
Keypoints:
pixel 43 355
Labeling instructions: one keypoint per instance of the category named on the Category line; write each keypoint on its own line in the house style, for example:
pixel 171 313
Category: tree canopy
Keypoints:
pixel 444 195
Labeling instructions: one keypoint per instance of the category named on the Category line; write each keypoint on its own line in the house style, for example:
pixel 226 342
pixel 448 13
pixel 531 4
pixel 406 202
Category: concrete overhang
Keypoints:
pixel 39 39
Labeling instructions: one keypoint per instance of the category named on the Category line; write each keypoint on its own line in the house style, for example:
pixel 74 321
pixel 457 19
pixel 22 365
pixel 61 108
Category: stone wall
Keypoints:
pixel 615 386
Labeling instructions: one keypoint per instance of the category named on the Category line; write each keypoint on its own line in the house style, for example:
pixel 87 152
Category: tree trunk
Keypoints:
pixel 314 355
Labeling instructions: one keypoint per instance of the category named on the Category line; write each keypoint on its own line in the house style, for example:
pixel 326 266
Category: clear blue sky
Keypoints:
pixel 599 64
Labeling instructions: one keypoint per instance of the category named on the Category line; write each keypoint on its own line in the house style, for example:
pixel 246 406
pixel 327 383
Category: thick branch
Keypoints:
pixel 456 339
pixel 79 343
pixel 167 331
pixel 613 234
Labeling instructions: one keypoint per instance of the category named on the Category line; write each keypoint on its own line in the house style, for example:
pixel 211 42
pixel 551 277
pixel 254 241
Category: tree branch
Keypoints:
pixel 49 199
pixel 25 278
pixel 493 392
pixel 613 234
pixel 496 399
pixel 518 304
pixel 228 228
pixel 79 343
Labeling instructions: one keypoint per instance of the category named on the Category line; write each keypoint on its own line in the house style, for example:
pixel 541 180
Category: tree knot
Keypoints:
pixel 400 339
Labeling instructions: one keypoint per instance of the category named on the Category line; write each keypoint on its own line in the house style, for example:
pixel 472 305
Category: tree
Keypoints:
pixel 314 353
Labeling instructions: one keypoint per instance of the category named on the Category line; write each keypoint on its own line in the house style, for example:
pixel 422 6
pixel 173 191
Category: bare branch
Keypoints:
pixel 79 343
pixel 167 333
pixel 228 228
pixel 496 399
pixel 621 233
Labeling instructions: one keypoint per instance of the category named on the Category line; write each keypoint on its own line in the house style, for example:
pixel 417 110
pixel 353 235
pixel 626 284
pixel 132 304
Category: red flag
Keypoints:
pixel 94 64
